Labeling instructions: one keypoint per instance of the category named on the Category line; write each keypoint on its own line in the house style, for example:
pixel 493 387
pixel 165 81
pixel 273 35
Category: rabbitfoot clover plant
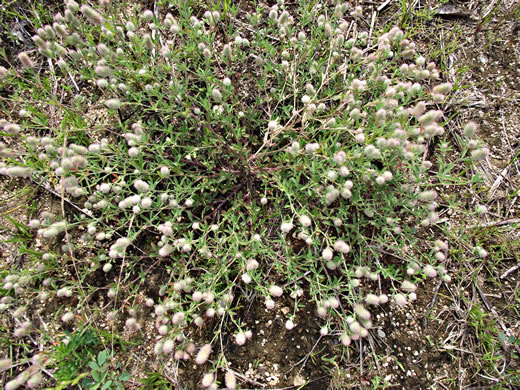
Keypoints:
pixel 203 158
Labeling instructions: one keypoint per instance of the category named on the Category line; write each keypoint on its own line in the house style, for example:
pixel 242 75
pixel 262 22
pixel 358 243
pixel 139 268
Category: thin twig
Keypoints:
pixel 250 29
pixel 383 6
pixel 510 271
pixel 501 176
pixel 372 23
pixel 496 223
pixel 305 358
pixel 432 303
pixel 506 330
pixel 246 379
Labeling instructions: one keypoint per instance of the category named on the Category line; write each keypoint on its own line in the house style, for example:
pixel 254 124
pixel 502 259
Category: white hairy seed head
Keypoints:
pixel 470 129
pixel 251 264
pixel 168 346
pixel 327 254
pixel 429 271
pixel 208 379
pixel 25 60
pixel 275 290
pixel 67 317
pixel 400 299
pixel 203 354
pixel 230 380
pixel 216 94
pixel 372 299
pixel 305 220
pixel 361 312
pixel 408 286
pixel 286 227
pixel 141 186
pixel 341 246
pixel 240 338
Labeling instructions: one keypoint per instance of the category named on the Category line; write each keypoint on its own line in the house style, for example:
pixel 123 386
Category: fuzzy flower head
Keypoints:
pixel 226 50
pixel 482 253
pixel 5 364
pixel 25 60
pixel 203 354
pixel 3 72
pixel 470 129
pixel 67 317
pixel 272 125
pixel 212 17
pixel 408 286
pixel 324 331
pixel 275 290
pixel 479 154
pixel 341 246
pixel 13 384
pixel 327 254
pixel 168 346
pixel 240 338
pixel 113 104
pixel 361 312
pixel 147 15
pixel 93 16
pixel 252 264
pixel 442 89
pixel 141 186
pixel 17 171
pixel 400 300
pixel 208 379
pixel 340 157
pixel 132 325
pixel 427 196
pixel 331 195
pixel 430 271
pixel 305 220
pixel 312 148
pixel 286 227
pixel 216 95
pixel 372 299
pixel 357 13
pixel 269 304
pixel 230 380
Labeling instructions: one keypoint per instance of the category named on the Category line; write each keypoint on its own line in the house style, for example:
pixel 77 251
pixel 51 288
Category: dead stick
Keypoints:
pixel 510 271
